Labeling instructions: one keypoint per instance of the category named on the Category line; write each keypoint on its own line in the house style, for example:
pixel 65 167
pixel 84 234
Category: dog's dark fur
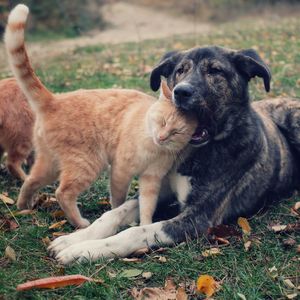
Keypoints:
pixel 252 155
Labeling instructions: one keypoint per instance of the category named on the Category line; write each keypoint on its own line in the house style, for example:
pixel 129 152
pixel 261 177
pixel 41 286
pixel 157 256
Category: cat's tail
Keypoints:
pixel 37 94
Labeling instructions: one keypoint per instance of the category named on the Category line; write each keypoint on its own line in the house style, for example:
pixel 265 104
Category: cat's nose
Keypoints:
pixel 162 138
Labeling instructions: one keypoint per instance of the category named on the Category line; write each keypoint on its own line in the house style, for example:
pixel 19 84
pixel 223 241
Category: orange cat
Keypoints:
pixel 16 126
pixel 78 134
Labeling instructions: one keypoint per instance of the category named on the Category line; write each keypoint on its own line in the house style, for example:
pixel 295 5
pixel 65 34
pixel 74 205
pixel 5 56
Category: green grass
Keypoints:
pixel 240 271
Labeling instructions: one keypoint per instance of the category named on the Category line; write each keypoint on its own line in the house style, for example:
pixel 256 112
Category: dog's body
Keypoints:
pixel 250 157
pixel 16 127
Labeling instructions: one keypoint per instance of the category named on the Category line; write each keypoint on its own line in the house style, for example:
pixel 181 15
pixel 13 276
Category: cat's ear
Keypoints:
pixel 165 92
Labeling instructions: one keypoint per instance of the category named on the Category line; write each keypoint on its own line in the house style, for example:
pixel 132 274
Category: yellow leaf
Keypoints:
pixel 58 224
pixel 211 252
pixel 6 199
pixel 58 214
pixel 10 253
pixel 206 285
pixel 244 224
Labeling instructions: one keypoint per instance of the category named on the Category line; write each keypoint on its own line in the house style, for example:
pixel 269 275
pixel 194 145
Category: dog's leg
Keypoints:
pixel 14 164
pixel 178 229
pixel 107 225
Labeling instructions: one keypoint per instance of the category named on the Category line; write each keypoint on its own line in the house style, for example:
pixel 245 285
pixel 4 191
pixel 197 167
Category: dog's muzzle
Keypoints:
pixel 183 96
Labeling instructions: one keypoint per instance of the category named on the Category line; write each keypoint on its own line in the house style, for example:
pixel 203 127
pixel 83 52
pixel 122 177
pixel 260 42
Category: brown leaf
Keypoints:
pixel 7 224
pixel 58 214
pixel 289 242
pixel 53 282
pixel 10 253
pixel 25 212
pixel 59 233
pixel 168 292
pixel 46 241
pixel 244 224
pixel 286 228
pixel 6 199
pixel 58 224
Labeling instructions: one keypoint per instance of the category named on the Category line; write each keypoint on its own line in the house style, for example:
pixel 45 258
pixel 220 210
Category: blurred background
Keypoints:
pixel 105 43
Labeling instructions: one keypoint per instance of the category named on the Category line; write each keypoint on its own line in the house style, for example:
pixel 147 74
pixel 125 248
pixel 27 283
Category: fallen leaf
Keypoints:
pixel 289 283
pixel 222 240
pixel 286 228
pixel 58 214
pixel 24 212
pixel 46 241
pixel 59 233
pixel 168 292
pixel 292 296
pixel 242 296
pixel 53 282
pixel 289 242
pixel 206 285
pixel 244 224
pixel 211 252
pixel 162 259
pixel 58 224
pixel 132 259
pixel 273 272
pixel 10 253
pixel 146 275
pixel 141 251
pixel 247 245
pixel 6 199
pixel 130 273
pixel 7 224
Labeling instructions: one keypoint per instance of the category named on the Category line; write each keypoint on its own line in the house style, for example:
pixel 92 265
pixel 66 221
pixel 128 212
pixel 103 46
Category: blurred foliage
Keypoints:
pixel 70 18
pixel 223 10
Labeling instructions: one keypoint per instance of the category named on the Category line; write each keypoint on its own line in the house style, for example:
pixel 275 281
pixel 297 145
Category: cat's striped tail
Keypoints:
pixel 37 94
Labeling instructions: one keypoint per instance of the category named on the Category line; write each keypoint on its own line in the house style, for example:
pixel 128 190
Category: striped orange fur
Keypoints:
pixel 78 134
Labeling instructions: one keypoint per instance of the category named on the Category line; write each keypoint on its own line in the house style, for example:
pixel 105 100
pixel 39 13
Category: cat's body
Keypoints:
pixel 78 134
pixel 16 127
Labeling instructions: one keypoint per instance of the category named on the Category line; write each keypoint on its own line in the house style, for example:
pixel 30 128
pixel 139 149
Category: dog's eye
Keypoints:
pixel 180 71
pixel 215 70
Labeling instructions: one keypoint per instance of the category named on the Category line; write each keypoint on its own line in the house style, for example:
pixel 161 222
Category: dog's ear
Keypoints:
pixel 164 68
pixel 250 65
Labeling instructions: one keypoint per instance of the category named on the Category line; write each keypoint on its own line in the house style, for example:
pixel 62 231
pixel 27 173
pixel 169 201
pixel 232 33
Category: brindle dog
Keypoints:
pixel 242 156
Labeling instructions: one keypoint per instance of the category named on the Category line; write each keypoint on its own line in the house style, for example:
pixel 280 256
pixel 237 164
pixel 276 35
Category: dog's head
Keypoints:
pixel 210 81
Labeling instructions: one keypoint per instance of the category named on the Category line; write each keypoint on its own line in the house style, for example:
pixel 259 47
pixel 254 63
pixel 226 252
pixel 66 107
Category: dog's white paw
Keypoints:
pixel 83 252
pixel 64 242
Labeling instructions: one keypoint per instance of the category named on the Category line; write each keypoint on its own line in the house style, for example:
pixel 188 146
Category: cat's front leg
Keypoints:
pixel 149 187
pixel 107 225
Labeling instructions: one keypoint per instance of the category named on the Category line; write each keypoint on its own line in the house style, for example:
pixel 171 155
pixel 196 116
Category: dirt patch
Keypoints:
pixel 128 23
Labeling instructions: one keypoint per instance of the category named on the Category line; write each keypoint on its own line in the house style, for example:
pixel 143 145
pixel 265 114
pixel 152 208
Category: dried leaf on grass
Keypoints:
pixel 130 273
pixel 59 233
pixel 295 210
pixel 57 214
pixel 132 259
pixel 6 199
pixel 207 285
pixel 168 292
pixel 24 212
pixel 244 224
pixel 58 224
pixel 273 272
pixel 247 245
pixel 8 224
pixel 46 241
pixel 211 252
pixel 146 275
pixel 10 253
pixel 54 282
pixel 286 228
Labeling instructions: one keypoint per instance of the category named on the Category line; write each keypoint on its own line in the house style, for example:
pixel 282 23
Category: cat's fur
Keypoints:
pixel 16 127
pixel 78 134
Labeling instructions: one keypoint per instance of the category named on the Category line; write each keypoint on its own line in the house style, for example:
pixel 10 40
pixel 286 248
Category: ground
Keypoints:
pixel 128 65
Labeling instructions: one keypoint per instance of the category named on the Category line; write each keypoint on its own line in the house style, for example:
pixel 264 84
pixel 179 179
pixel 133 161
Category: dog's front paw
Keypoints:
pixel 81 252
pixel 64 242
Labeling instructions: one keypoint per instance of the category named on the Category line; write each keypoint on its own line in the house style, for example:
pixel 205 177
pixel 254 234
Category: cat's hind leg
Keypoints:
pixel 77 174
pixel 14 164
pixel 43 172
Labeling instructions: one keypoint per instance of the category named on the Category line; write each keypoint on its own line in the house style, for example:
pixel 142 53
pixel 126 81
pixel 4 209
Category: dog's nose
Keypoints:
pixel 184 91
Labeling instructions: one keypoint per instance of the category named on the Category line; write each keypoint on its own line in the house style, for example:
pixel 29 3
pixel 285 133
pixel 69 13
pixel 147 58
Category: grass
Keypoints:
pixel 126 65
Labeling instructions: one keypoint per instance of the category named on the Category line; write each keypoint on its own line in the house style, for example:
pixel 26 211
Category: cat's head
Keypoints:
pixel 169 127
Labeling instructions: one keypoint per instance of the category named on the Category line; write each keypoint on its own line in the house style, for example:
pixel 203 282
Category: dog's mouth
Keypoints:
pixel 200 137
